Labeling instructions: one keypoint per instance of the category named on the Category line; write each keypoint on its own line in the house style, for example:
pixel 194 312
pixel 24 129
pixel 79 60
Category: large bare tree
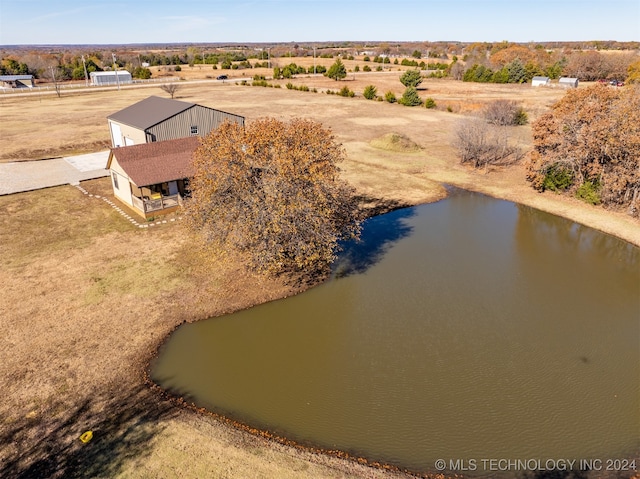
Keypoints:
pixel 170 88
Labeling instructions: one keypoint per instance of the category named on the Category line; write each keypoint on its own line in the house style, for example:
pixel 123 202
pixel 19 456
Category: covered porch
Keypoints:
pixel 159 199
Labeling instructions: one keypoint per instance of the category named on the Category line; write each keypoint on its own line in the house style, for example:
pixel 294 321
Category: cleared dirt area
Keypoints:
pixel 87 298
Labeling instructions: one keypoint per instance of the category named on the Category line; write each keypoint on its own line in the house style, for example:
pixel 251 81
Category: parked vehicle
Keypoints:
pixel 222 77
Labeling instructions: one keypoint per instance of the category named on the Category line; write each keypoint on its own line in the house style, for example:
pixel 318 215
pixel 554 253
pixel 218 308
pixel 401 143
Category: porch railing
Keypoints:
pixel 149 206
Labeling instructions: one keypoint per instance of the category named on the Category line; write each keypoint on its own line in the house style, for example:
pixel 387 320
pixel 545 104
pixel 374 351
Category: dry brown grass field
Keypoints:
pixel 87 298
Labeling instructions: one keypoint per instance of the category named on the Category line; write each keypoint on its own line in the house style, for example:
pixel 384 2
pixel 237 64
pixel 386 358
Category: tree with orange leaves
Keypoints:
pixel 589 144
pixel 272 191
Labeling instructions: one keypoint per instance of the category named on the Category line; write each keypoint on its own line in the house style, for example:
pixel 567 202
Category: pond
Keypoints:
pixel 467 329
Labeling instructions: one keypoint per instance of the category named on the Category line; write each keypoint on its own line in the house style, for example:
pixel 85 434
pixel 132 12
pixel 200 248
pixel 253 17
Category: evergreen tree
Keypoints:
pixel 411 78
pixel 410 97
pixel 337 71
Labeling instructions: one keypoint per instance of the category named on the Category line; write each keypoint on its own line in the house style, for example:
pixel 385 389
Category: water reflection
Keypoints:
pixel 378 235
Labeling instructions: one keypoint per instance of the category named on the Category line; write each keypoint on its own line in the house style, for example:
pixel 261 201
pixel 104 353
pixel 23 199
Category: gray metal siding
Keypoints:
pixel 179 126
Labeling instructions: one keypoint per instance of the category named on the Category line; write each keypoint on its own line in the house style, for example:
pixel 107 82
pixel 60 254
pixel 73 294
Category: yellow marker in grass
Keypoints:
pixel 86 436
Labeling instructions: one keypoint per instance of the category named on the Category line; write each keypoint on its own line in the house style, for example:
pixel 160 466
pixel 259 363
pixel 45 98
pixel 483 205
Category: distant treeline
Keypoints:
pixel 501 62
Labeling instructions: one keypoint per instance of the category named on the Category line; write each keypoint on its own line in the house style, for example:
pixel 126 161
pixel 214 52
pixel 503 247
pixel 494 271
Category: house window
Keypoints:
pixel 194 130
pixel 115 180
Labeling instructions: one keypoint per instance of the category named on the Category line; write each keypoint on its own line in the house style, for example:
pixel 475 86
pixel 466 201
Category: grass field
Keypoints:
pixel 87 298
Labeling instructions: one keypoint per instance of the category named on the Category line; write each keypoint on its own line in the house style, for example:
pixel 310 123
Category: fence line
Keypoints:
pixel 77 86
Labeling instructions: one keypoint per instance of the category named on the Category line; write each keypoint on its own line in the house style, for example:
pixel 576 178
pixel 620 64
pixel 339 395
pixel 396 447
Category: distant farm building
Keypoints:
pixel 540 81
pixel 110 78
pixel 161 119
pixel 568 82
pixel 153 178
pixel 17 81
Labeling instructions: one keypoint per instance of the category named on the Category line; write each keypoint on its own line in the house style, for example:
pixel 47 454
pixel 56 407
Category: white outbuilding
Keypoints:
pixel 540 81
pixel 567 82
pixel 109 78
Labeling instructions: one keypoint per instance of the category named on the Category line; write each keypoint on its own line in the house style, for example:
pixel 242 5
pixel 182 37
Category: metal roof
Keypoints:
pixel 159 162
pixel 149 112
pixel 108 73
pixel 15 77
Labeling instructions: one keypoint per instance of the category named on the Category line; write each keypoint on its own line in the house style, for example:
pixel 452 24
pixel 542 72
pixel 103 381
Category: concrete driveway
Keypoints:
pixel 33 175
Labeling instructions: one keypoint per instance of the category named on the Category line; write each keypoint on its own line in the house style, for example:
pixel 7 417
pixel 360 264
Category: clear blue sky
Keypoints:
pixel 169 21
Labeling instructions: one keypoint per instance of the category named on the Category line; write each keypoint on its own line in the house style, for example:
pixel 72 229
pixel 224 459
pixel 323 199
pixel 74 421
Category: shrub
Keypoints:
pixel 141 73
pixel 289 86
pixel 557 178
pixel 482 144
pixel 521 117
pixel 178 68
pixel 390 97
pixel 370 92
pixel 411 78
pixel 430 103
pixel 379 68
pixel 356 68
pixel 366 68
pixel 366 58
pixel 259 77
pixel 344 91
pixel 410 97
pixel 589 192
pixel 505 113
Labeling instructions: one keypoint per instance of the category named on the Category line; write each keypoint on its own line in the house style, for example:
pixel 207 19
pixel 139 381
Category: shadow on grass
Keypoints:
pixel 123 430
pixel 385 225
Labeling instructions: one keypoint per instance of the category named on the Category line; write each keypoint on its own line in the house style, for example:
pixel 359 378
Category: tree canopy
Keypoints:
pixel 590 143
pixel 272 191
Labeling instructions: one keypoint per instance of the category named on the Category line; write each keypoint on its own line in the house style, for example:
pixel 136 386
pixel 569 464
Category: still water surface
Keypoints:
pixel 469 328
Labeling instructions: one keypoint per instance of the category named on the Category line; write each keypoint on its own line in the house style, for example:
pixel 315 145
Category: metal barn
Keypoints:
pixel 540 81
pixel 568 82
pixel 161 119
pixel 110 78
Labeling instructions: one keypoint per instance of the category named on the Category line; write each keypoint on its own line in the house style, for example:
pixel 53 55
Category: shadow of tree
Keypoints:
pixel 123 428
pixel 384 227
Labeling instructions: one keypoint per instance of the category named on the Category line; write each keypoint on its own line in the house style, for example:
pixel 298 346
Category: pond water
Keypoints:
pixel 470 328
